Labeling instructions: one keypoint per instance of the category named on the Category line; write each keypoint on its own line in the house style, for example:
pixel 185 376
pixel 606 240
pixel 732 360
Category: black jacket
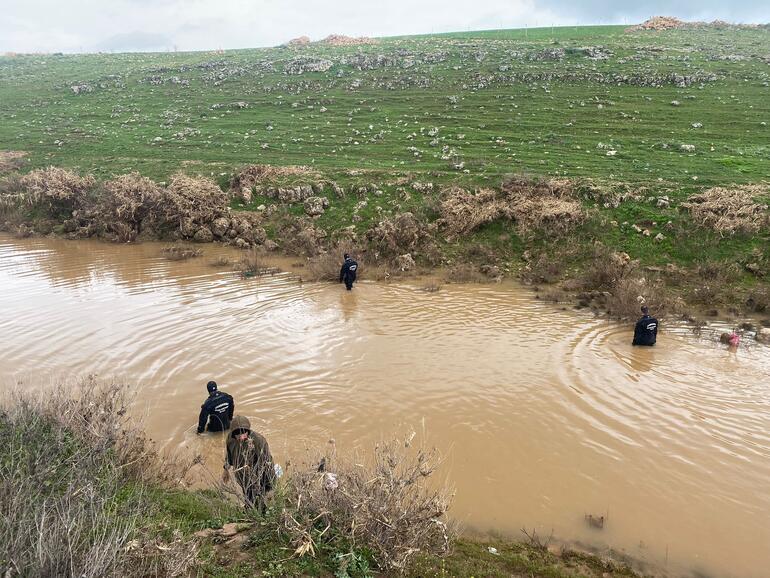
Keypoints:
pixel 646 331
pixel 218 410
pixel 348 271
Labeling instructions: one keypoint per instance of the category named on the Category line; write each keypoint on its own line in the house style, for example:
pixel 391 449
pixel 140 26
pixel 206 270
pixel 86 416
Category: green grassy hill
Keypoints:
pixel 542 101
pixel 657 113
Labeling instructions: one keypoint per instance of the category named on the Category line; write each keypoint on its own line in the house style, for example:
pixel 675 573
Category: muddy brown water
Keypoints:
pixel 544 415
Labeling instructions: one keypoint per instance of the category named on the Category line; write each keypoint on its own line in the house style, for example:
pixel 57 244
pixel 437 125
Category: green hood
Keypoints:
pixel 240 422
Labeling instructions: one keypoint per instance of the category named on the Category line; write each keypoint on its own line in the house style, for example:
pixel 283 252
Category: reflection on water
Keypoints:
pixel 545 415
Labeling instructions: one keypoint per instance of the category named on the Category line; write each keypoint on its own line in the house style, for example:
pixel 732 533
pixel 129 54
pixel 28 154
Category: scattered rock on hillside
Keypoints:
pixel 315 206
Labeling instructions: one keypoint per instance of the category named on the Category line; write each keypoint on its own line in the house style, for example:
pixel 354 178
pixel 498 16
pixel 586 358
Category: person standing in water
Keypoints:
pixel 348 272
pixel 646 330
pixel 218 410
pixel 248 454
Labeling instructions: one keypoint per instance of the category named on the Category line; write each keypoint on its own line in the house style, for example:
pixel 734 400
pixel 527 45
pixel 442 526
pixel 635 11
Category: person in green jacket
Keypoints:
pixel 248 455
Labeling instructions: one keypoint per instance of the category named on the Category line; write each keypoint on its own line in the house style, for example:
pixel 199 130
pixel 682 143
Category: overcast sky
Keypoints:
pixel 129 25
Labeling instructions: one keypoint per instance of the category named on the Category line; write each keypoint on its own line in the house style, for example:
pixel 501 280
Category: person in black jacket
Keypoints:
pixel 217 410
pixel 348 272
pixel 646 330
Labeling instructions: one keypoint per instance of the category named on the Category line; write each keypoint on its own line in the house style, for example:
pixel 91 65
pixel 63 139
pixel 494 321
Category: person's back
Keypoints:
pixel 218 410
pixel 348 272
pixel 646 329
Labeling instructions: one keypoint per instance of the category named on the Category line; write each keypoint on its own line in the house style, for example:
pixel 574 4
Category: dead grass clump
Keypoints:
pixel 393 237
pixel 11 196
pixel 126 204
pixel 462 211
pixel 251 175
pixel 190 201
pixel 549 206
pixel 56 189
pixel 180 253
pixel 385 502
pixel 730 211
pixel 11 161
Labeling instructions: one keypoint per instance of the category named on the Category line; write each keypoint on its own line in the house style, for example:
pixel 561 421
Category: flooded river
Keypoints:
pixel 544 415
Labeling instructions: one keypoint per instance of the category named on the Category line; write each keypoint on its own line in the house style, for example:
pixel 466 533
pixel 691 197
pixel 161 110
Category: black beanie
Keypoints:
pixel 211 386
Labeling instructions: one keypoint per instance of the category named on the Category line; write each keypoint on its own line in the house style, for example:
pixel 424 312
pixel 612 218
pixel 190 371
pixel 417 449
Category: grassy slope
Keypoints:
pixel 263 552
pixel 549 126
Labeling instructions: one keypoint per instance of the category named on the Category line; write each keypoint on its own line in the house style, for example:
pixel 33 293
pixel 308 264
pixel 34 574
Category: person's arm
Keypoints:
pixel 202 419
pixel 231 411
pixel 342 272
pixel 637 332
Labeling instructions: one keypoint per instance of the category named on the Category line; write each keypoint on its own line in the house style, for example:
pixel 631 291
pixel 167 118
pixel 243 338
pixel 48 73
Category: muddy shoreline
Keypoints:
pixel 438 236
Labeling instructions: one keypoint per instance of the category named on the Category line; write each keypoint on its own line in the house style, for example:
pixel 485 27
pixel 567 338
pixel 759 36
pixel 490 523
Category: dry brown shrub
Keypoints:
pixel 730 211
pixel 56 188
pixel 189 201
pixel 544 268
pixel 67 457
pixel 549 206
pixel 300 236
pixel 630 293
pixel 324 267
pixel 546 205
pixel 251 175
pixel 384 501
pixel 126 203
pixel 463 211
pixel 606 269
pixel 253 264
pixel 392 237
pixel 11 160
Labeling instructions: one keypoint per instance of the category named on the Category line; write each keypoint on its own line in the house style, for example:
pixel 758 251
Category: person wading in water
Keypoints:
pixel 646 330
pixel 217 410
pixel 348 272
pixel 248 454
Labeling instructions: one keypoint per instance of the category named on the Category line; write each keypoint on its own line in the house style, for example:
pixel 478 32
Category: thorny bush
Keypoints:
pixel 386 503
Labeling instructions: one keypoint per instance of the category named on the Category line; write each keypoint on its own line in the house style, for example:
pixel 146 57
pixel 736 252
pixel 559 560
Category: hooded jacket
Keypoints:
pixel 348 271
pixel 251 458
pixel 646 331
pixel 217 410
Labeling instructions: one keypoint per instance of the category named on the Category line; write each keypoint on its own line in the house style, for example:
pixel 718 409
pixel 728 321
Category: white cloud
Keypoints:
pixel 74 25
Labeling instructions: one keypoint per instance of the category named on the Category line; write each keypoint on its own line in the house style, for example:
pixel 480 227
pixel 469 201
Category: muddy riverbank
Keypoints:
pixel 544 415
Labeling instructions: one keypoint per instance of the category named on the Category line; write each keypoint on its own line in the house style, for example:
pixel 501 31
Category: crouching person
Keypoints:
pixel 248 455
